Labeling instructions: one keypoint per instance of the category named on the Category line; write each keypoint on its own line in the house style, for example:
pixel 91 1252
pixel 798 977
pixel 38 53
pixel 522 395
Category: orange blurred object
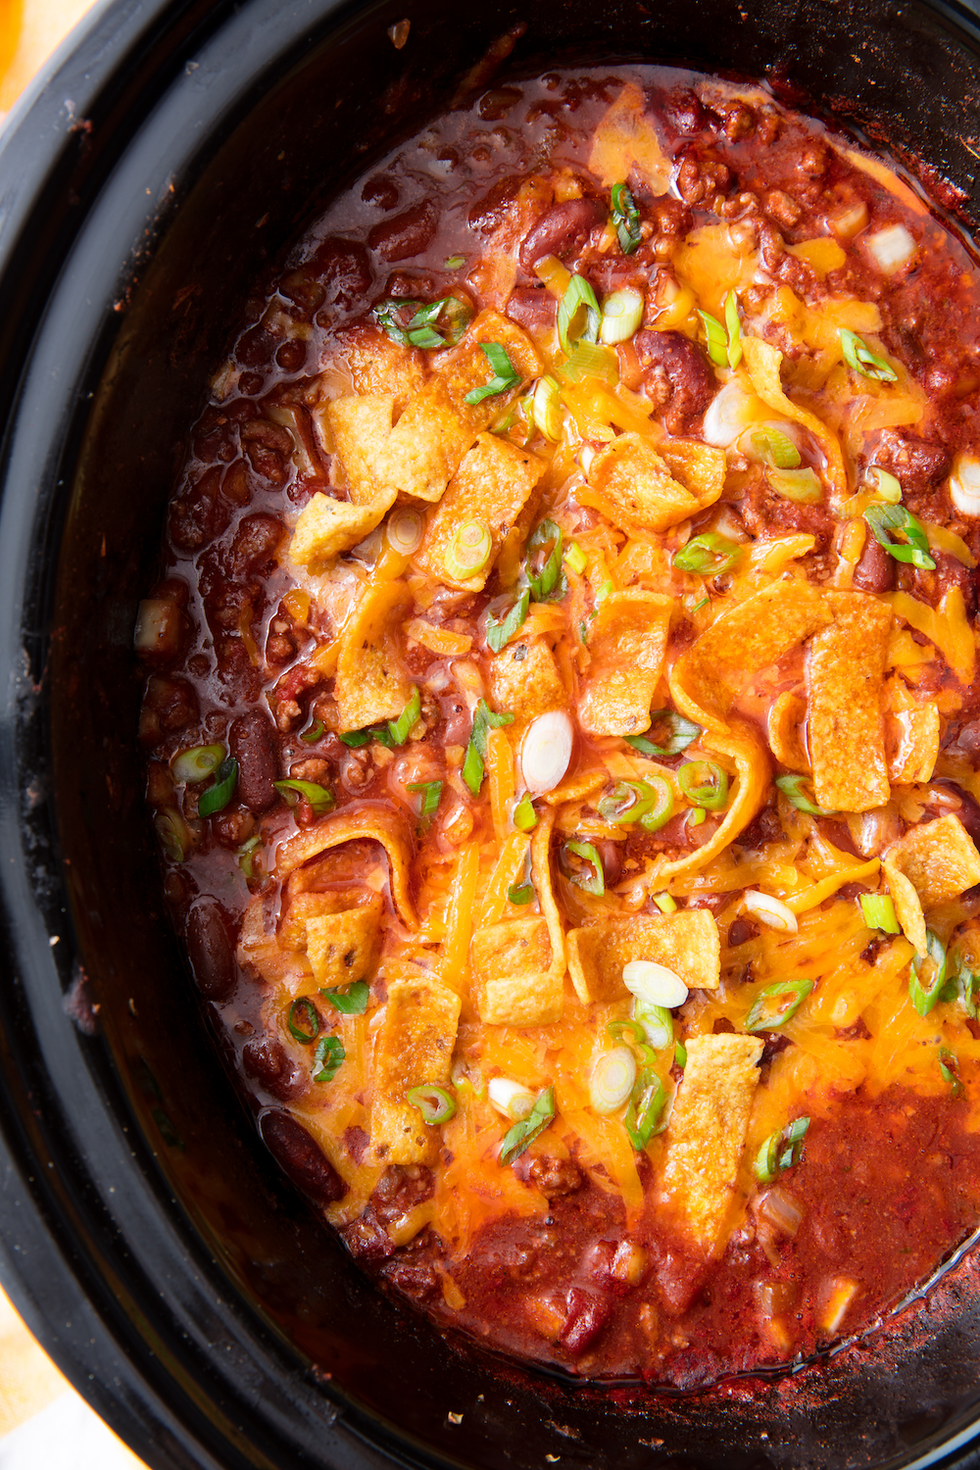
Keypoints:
pixel 29 31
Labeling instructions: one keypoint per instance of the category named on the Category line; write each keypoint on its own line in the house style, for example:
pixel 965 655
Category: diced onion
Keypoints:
pixel 964 484
pixel 892 248
pixel 404 531
pixel 730 413
pixel 510 1098
pixel 654 983
pixel 612 1079
pixel 781 1209
pixel 771 911
pixel 622 313
pixel 546 751
pixel 156 626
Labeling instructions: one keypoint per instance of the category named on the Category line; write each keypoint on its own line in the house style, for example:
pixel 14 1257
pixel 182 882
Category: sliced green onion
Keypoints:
pixel 696 816
pixel 705 784
pixel 885 518
pixel 501 630
pixel 662 809
pixel 517 1139
pixel 313 734
pixel 631 1030
pixel 657 1022
pixel 173 833
pixel 430 792
pixel 612 1080
pixel 681 734
pixel 576 558
pixel 777 1004
pixel 734 328
pixel 665 903
pixel 319 798
pixel 328 1058
pixel 792 789
pixel 304 1021
pixel 949 1066
pixel 356 738
pixel 404 531
pixel 589 360
pixel 469 551
pixel 421 329
pixel 542 565
pixel 626 218
pixel 645 1114
pixel 773 447
pixel 484 719
pixel 858 355
pixel 924 997
pixel 889 488
pixel 802 486
pixel 349 1000
pixel 622 313
pixel 400 729
pixel 707 555
pixel 217 797
pixel 385 316
pixel 453 262
pixel 434 1103
pixel 505 375
pixel 879 912
pixel 964 981
pixel 716 339
pixel 247 854
pixel 545 408
pixel 592 882
pixel 197 764
pixel 781 1151
pixel 578 314
pixel 680 1055
pixel 520 893
pixel 626 803
pixel 525 817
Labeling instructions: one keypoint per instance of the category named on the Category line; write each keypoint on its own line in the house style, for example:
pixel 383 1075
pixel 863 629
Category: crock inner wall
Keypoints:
pixel 290 104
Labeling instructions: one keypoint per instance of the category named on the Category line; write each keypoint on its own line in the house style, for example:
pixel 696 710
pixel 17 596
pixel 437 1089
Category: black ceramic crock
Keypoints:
pixel 173 1274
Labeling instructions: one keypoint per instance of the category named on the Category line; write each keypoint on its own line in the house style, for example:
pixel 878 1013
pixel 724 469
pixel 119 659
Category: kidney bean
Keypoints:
pixel 968 740
pixel 677 368
pixel 300 1158
pixel 405 234
pixel 588 1314
pixel 380 190
pixel 343 269
pixel 562 230
pixel 532 307
pixel 270 1065
pixel 875 570
pixel 208 935
pixel 740 931
pixel 253 744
